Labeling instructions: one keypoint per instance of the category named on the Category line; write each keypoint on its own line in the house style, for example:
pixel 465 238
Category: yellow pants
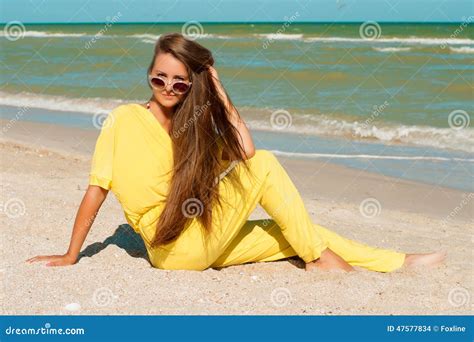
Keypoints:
pixel 290 232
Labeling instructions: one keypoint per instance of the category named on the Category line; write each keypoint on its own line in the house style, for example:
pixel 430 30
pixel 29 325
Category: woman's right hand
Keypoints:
pixel 55 260
pixel 93 199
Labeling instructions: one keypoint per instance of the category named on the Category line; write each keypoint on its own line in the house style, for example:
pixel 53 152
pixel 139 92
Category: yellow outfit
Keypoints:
pixel 133 158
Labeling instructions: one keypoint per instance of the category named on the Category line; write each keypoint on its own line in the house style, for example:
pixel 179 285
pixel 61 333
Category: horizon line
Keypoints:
pixel 234 22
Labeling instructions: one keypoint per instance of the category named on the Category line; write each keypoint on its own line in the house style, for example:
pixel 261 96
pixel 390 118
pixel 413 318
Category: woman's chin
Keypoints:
pixel 168 102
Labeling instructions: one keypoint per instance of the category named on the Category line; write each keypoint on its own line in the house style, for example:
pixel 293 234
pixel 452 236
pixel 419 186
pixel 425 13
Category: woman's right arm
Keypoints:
pixel 236 120
pixel 90 205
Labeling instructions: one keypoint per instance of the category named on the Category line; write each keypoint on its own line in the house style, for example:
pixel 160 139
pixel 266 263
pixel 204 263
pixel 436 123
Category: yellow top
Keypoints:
pixel 133 158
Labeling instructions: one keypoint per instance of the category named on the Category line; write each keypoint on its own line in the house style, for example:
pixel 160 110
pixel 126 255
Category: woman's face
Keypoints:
pixel 167 66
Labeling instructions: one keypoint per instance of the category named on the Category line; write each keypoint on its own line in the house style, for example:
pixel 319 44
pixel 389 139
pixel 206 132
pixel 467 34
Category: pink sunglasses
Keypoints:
pixel 160 82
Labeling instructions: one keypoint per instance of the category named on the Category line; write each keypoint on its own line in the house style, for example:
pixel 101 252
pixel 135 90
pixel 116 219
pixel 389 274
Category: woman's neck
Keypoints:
pixel 166 112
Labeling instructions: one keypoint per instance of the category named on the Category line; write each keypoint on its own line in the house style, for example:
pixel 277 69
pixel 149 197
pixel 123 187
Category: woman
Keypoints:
pixel 186 172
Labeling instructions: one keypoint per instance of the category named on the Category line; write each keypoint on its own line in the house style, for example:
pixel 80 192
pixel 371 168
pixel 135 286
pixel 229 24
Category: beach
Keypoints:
pixel 44 175
pixel 375 132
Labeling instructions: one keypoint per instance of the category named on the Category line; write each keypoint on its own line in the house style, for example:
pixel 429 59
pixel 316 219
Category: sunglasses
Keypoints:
pixel 160 82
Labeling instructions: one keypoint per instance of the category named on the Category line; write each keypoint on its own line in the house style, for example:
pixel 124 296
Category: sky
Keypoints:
pixel 99 11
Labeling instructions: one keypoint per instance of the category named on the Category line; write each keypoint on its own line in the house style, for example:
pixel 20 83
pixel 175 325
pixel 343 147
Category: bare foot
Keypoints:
pixel 427 260
pixel 329 261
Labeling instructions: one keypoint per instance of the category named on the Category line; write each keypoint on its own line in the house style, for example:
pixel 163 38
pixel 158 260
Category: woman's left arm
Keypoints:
pixel 246 139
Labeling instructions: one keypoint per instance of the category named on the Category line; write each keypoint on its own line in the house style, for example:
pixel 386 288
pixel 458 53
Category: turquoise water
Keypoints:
pixel 409 88
pixel 452 169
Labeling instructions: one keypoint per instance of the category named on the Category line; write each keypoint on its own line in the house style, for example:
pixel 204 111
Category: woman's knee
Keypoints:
pixel 262 163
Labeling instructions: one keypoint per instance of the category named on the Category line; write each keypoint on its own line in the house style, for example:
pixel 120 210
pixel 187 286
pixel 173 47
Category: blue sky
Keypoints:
pixel 76 11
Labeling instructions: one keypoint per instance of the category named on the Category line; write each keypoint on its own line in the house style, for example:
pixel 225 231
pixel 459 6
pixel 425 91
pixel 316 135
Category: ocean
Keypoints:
pixel 394 99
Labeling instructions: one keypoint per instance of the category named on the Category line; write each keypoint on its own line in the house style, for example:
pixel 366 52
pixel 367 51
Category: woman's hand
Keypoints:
pixel 55 260
pixel 218 85
pixel 90 205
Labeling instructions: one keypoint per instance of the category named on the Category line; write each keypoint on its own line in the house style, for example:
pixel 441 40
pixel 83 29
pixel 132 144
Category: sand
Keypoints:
pixel 44 174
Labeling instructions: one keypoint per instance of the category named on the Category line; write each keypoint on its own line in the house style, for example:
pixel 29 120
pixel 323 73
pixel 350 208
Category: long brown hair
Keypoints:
pixel 199 121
